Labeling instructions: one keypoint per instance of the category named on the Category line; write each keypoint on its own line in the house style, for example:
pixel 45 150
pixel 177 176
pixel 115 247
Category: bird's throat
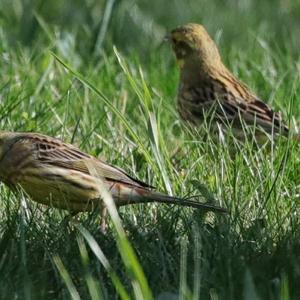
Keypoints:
pixel 180 62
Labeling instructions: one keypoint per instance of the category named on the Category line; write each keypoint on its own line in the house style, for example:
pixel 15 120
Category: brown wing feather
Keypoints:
pixel 55 152
pixel 233 92
pixel 249 107
pixel 255 111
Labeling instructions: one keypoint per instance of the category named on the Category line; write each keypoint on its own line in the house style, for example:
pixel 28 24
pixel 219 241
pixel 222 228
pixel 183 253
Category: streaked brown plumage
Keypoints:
pixel 207 86
pixel 58 174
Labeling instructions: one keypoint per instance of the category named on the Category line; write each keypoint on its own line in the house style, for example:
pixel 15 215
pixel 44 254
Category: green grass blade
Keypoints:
pixel 66 278
pixel 92 284
pixel 102 258
pixel 111 107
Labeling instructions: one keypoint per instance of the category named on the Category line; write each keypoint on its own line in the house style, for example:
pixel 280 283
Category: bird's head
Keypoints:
pixel 7 139
pixel 191 42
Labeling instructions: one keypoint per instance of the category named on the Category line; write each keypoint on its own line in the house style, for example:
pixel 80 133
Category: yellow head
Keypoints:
pixel 191 42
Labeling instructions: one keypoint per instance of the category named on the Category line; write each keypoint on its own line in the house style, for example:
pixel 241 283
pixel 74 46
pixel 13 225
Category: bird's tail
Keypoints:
pixel 141 195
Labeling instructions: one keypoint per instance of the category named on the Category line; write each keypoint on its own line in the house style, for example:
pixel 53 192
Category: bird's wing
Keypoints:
pixel 232 107
pixel 254 111
pixel 237 100
pixel 56 153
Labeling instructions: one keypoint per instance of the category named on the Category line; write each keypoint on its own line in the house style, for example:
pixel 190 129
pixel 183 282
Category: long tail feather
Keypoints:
pixel 151 196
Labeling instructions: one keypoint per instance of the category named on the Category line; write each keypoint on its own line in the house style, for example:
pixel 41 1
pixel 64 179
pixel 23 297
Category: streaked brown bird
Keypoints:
pixel 60 175
pixel 207 87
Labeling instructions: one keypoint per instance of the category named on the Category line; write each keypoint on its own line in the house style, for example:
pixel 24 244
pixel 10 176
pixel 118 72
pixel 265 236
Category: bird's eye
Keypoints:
pixel 182 49
pixel 182 44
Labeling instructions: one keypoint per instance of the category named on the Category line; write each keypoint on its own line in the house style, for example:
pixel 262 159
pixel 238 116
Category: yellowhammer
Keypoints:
pixel 60 175
pixel 206 85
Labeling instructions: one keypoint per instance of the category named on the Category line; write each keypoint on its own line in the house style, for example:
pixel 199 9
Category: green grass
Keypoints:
pixel 119 106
